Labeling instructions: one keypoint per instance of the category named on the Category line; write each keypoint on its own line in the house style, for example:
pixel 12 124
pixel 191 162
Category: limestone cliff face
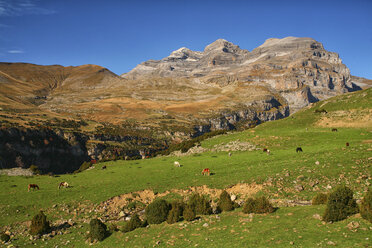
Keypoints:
pixel 299 69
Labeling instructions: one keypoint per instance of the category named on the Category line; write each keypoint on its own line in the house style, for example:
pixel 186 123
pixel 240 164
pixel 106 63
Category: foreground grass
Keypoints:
pixel 287 226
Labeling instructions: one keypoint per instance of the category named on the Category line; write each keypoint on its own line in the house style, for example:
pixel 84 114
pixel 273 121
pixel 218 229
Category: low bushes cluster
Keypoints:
pixel 157 211
pixel 134 223
pixel 259 205
pixel 199 204
pixel 366 206
pixel 97 230
pixel 319 199
pixel 39 224
pixel 176 212
pixel 340 205
pixel 225 203
pixel 188 213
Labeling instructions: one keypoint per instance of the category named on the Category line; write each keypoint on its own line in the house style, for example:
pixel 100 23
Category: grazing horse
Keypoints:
pixel 177 164
pixel 230 154
pixel 298 149
pixel 32 186
pixel 264 150
pixel 104 167
pixel 268 152
pixel 334 129
pixel 63 184
pixel 347 144
pixel 206 171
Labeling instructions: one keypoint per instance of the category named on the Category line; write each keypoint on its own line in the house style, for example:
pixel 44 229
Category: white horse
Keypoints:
pixel 177 164
pixel 63 184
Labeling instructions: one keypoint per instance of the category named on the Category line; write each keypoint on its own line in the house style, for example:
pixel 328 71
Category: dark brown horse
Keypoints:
pixel 298 149
pixel 32 186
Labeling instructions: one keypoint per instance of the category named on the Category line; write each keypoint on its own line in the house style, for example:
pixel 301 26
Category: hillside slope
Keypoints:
pixel 287 178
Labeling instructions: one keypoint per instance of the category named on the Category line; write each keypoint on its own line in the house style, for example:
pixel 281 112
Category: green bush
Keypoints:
pixel 97 230
pixel 225 203
pixel 188 213
pixel 83 167
pixel 157 211
pixel 258 206
pixel 35 169
pixel 340 204
pixel 39 224
pixel 176 212
pixel 199 204
pixel 366 206
pixel 4 237
pixel 320 198
pixel 133 223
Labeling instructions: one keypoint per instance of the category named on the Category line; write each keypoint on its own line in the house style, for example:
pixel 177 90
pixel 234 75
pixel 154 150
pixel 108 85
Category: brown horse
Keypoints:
pixel 32 186
pixel 63 184
pixel 206 171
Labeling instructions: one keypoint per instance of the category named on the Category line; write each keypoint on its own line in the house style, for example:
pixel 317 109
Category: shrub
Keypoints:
pixel 258 206
pixel 83 167
pixel 133 223
pixel 199 204
pixel 320 198
pixel 188 213
pixel 157 211
pixel 4 237
pixel 176 212
pixel 366 206
pixel 97 230
pixel 39 224
pixel 225 203
pixel 340 204
pixel 35 169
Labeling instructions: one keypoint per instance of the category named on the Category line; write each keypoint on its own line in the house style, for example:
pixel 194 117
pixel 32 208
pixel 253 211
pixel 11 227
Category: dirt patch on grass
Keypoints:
pixel 116 203
pixel 349 118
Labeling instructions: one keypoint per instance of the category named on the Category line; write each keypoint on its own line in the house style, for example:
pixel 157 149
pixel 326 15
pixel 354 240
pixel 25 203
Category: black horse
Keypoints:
pixel 298 149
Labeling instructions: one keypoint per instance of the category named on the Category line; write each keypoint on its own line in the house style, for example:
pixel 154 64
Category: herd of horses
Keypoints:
pixel 205 171
pixel 35 186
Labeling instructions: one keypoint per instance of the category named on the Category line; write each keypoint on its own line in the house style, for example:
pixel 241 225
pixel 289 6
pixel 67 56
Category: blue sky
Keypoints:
pixel 120 34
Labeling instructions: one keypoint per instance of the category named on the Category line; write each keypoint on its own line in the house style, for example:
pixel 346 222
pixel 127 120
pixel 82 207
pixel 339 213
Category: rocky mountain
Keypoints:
pixel 299 69
pixel 101 115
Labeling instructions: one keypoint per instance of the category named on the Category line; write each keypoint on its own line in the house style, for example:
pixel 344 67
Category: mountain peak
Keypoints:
pixel 222 45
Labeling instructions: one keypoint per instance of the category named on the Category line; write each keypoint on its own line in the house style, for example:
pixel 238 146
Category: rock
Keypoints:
pixel 299 188
pixel 317 216
pixel 331 243
pixel 233 197
pixel 122 214
pixel 353 225
pixel 127 218
pixel 317 163
pixel 205 225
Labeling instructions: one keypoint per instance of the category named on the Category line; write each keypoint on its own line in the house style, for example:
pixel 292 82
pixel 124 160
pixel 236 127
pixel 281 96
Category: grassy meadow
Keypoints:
pixel 324 163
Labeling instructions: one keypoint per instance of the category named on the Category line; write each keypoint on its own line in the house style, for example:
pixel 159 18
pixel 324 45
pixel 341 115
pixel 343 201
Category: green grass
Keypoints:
pixel 278 173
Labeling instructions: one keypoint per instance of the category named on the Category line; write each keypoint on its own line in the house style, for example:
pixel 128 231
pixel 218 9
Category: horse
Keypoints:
pixel 334 129
pixel 177 164
pixel 230 154
pixel 268 152
pixel 104 167
pixel 347 144
pixel 264 150
pixel 206 171
pixel 63 184
pixel 298 149
pixel 32 186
